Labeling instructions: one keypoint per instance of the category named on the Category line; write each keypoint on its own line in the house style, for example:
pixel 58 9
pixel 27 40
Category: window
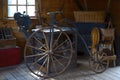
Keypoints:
pixel 20 6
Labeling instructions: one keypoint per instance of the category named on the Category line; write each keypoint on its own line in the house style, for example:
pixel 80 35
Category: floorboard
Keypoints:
pixel 80 72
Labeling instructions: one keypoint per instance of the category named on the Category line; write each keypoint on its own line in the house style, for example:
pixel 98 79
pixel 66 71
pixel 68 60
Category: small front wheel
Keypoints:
pixel 98 63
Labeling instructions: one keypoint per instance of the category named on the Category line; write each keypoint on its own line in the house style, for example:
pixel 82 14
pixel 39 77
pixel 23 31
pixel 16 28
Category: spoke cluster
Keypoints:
pixel 98 64
pixel 46 55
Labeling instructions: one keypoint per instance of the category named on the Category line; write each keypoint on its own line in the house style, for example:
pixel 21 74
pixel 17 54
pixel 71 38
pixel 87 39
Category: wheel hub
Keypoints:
pixel 49 52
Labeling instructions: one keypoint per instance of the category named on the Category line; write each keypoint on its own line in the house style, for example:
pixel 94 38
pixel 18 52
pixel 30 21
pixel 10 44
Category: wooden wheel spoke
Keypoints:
pixel 48 65
pixel 35 55
pixel 57 39
pixel 39 59
pixel 99 57
pixel 58 61
pixel 95 66
pixel 53 64
pixel 102 67
pixel 42 66
pixel 99 67
pixel 43 45
pixel 61 56
pixel 46 40
pixel 61 44
pixel 36 48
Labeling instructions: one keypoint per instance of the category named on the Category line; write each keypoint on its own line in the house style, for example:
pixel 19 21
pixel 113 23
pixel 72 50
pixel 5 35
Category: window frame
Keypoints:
pixel 26 5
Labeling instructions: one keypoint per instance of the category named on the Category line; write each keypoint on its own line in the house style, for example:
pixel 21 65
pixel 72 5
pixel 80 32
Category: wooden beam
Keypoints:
pixel 108 5
pixel 86 6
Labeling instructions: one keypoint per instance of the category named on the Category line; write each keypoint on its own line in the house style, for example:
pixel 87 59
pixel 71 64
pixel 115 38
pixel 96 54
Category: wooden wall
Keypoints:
pixel 69 7
pixel 114 10
pixel 47 5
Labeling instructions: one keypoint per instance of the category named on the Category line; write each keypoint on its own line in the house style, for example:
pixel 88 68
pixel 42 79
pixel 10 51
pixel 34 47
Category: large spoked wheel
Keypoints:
pixel 48 52
pixel 98 63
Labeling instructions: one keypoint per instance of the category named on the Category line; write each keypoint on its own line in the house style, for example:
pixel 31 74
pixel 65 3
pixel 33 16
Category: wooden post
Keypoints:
pixel 86 6
pixel 108 5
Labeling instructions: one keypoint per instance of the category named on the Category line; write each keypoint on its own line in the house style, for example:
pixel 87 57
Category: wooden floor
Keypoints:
pixel 80 72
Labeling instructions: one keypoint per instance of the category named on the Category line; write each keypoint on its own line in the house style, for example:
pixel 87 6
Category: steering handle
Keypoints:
pixel 56 12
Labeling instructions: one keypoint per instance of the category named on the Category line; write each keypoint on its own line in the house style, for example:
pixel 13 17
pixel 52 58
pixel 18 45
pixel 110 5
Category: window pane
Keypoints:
pixel 11 11
pixel 31 2
pixel 21 9
pixel 21 6
pixel 31 10
pixel 11 1
pixel 21 2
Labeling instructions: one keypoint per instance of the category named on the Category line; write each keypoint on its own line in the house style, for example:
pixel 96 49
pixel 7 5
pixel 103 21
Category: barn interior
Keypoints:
pixel 59 40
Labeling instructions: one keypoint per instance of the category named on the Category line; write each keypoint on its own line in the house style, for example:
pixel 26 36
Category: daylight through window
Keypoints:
pixel 20 6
